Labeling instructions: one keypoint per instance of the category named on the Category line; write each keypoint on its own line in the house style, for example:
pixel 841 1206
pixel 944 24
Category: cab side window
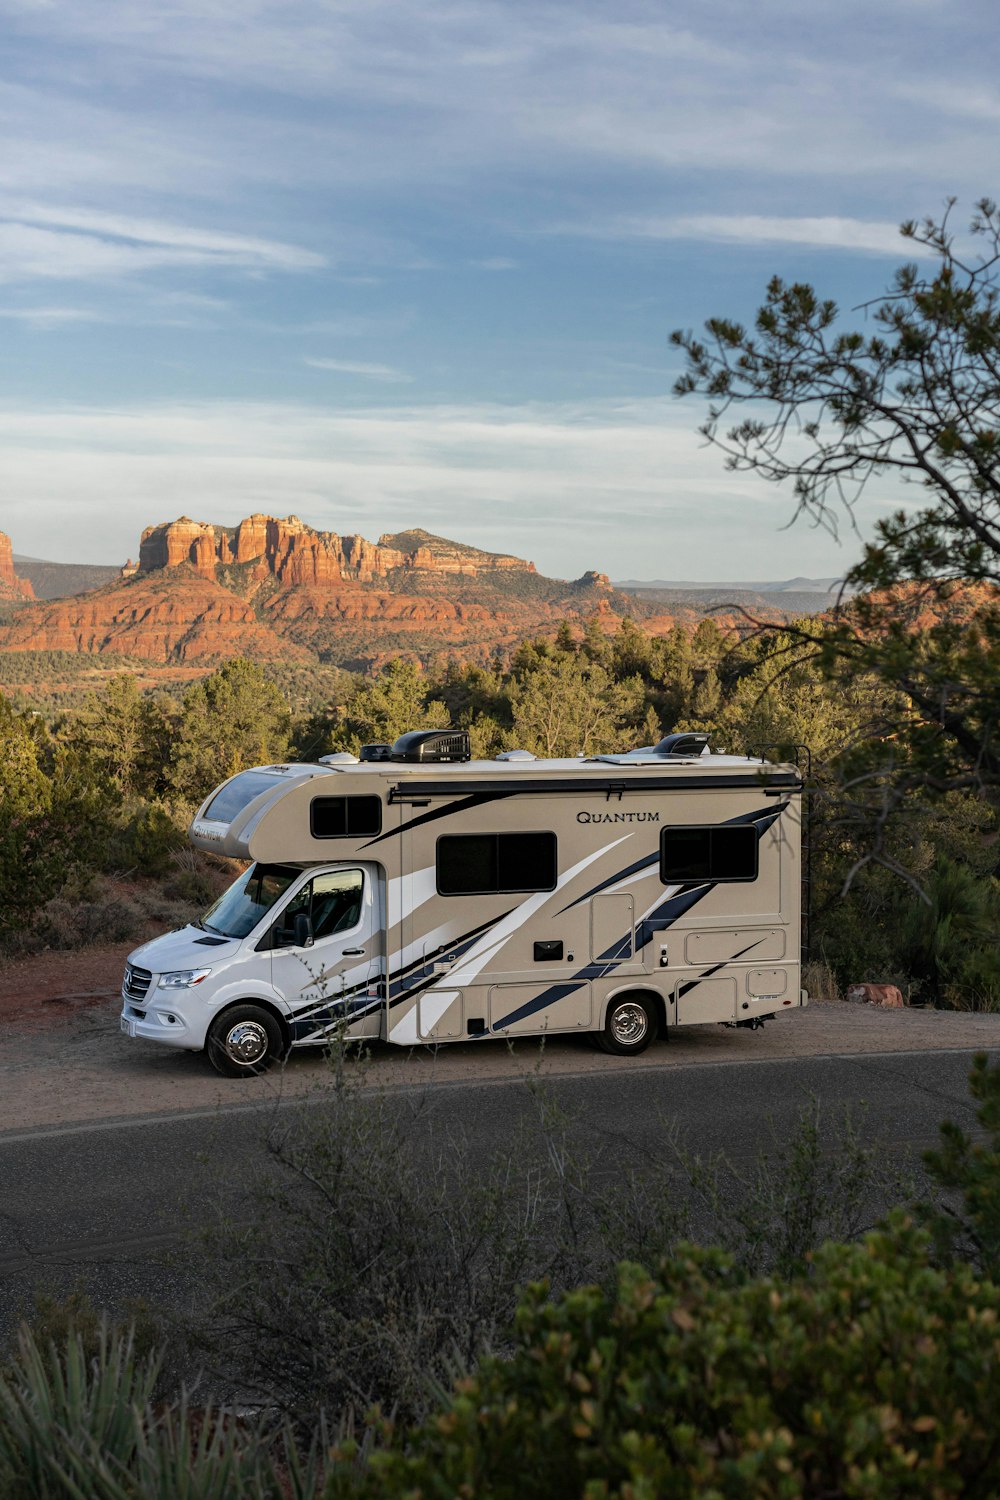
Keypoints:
pixel 336 902
pixel 331 901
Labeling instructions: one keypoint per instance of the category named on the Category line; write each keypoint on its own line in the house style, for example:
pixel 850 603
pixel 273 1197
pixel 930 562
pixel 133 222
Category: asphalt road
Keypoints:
pixel 97 1205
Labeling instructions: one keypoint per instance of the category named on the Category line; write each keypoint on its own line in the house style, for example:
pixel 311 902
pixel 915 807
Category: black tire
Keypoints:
pixel 244 1041
pixel 629 1026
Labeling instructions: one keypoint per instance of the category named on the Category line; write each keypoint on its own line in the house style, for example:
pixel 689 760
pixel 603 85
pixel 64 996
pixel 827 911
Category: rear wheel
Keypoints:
pixel 244 1041
pixel 629 1026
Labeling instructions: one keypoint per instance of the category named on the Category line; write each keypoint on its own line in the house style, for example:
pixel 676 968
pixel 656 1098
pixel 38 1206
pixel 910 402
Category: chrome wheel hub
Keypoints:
pixel 629 1024
pixel 246 1043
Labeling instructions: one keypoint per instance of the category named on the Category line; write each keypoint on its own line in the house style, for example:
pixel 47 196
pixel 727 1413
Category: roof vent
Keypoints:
pixel 339 758
pixel 432 746
pixel 687 745
pixel 516 755
pixel 375 752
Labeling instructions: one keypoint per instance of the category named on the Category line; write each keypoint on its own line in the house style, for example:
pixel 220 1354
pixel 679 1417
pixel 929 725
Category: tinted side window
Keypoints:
pixel 332 901
pixel 489 864
pixel 708 853
pixel 345 817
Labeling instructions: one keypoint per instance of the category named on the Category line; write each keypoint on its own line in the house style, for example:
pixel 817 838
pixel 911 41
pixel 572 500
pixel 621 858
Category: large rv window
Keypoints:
pixel 238 794
pixel 345 817
pixel 721 852
pixel 488 864
pixel 239 909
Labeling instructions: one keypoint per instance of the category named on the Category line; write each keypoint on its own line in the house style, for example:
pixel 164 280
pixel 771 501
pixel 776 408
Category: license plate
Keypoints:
pixel 128 1026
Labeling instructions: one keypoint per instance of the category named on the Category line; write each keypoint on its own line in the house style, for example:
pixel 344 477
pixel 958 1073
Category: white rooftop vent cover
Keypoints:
pixel 516 755
pixel 340 758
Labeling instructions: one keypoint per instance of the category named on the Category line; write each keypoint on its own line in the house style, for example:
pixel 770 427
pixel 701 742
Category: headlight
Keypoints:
pixel 183 979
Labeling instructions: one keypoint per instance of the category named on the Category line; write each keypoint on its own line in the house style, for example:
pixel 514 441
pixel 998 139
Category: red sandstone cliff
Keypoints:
pixel 294 553
pixel 10 584
pixel 183 619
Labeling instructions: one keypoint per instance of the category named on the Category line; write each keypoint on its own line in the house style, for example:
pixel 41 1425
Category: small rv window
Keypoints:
pixel 345 817
pixel 722 852
pixel 238 794
pixel 490 864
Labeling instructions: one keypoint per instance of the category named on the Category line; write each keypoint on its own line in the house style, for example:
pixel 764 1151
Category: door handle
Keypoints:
pixel 352 952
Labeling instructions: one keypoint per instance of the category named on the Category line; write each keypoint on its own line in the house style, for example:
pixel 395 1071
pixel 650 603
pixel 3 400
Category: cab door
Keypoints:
pixel 336 976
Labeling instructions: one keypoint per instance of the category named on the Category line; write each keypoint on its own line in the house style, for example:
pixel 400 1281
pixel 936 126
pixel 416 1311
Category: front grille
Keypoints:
pixel 136 982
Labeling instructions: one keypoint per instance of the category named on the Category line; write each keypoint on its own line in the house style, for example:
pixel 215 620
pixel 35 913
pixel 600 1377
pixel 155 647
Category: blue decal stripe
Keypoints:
pixel 640 864
pixel 548 997
pixel 707 973
pixel 477 800
pixel 316 1024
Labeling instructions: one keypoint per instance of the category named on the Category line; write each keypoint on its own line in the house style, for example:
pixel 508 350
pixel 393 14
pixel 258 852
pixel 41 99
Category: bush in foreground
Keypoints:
pixel 878 1376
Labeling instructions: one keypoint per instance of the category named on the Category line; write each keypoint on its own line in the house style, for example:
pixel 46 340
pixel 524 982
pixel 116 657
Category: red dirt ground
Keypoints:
pixel 47 988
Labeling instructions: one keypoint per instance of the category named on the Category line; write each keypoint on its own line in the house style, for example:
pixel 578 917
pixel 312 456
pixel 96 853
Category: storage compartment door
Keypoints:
pixel 698 1000
pixel 440 1015
pixel 533 1009
pixel 612 933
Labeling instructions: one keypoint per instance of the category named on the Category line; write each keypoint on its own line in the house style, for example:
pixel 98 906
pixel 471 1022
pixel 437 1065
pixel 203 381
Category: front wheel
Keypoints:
pixel 629 1026
pixel 244 1041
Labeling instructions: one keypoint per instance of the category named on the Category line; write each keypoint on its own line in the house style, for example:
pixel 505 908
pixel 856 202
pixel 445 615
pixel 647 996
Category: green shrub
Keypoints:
pixel 878 1377
pixel 146 838
pixel 965 1220
pixel 79 1422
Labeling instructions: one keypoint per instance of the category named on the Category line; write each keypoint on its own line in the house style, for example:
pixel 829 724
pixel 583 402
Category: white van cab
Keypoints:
pixel 284 941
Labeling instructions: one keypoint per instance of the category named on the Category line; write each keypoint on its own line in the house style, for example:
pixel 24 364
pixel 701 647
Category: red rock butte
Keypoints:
pixel 10 584
pixel 295 553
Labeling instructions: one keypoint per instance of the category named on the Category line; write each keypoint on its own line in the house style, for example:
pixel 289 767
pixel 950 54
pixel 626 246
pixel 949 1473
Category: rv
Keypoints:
pixel 417 896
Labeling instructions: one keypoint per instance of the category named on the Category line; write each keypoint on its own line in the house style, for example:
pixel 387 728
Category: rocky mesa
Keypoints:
pixel 282 590
pixel 293 553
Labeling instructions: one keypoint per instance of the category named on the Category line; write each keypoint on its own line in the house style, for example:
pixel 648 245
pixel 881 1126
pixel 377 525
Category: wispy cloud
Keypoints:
pixel 51 317
pixel 68 243
pixel 827 232
pixel 386 373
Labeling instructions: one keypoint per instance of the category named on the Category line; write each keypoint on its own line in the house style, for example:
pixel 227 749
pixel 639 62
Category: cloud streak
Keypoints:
pixel 825 233
pixel 386 373
pixel 50 242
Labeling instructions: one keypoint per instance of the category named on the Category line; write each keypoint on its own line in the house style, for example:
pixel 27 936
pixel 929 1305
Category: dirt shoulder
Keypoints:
pixel 63 1059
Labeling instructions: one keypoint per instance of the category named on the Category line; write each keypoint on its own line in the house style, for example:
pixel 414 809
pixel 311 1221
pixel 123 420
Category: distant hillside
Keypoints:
pixel 775 605
pixel 52 580
pixel 825 586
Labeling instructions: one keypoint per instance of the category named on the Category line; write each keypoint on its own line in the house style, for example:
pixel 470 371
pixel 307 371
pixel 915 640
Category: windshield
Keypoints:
pixel 238 911
pixel 238 794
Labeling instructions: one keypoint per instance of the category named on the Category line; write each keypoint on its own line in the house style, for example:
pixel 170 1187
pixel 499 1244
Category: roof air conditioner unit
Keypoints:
pixel 432 746
pixel 690 746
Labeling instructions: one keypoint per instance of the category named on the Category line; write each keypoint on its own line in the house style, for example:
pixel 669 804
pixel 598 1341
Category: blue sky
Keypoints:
pixel 384 264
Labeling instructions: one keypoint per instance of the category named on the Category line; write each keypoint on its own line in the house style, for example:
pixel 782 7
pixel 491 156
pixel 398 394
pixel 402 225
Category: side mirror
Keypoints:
pixel 303 928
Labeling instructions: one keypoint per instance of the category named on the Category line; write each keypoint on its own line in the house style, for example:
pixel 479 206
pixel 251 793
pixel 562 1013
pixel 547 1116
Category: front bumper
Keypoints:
pixel 161 1021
